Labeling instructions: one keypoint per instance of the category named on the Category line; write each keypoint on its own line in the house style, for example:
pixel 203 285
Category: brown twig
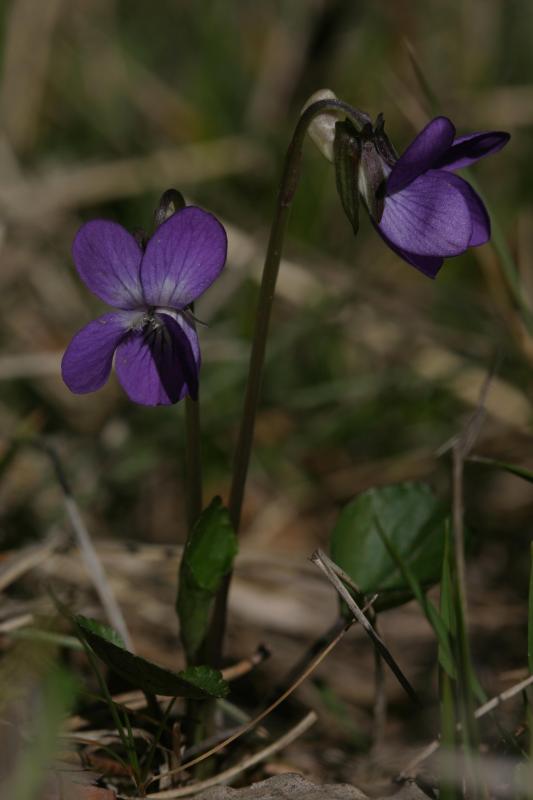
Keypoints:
pixel 246 665
pixel 486 708
pixel 185 791
pixel 329 568
pixel 259 717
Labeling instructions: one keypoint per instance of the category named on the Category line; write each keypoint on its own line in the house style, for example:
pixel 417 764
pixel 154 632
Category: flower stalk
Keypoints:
pixel 287 190
pixel 193 461
pixel 288 186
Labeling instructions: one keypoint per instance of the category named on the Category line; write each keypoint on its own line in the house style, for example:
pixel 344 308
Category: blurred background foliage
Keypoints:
pixel 107 103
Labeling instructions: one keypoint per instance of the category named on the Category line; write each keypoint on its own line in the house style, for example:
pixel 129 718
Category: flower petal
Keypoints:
pixel 429 265
pixel 430 217
pixel 466 150
pixel 422 154
pixel 183 258
pixel 188 329
pixel 87 361
pixel 108 260
pixel 157 366
pixel 478 213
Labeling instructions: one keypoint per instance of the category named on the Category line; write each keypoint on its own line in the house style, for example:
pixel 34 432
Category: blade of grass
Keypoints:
pixel 521 472
pixel 433 616
pixel 509 267
pixel 56 696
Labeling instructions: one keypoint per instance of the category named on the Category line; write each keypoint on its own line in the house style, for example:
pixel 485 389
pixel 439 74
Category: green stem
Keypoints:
pixel 198 715
pixel 193 461
pixel 288 186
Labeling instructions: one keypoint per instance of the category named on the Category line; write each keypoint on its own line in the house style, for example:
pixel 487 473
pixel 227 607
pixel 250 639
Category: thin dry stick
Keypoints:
pixel 328 568
pixel 249 725
pixel 486 708
pixel 380 705
pixel 246 665
pixel 256 758
pixel 14 566
pixel 13 624
pixel 88 551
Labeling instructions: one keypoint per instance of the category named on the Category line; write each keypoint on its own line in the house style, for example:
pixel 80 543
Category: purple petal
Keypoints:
pixel 429 146
pixel 467 150
pixel 430 217
pixel 157 366
pixel 429 265
pixel 183 258
pixel 478 213
pixel 188 329
pixel 87 361
pixel 108 260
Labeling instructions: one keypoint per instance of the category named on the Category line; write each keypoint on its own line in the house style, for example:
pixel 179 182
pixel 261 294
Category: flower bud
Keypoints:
pixel 322 128
pixel 170 202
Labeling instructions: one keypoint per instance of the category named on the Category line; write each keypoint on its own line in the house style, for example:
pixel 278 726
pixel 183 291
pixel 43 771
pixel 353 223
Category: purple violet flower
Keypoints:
pixel 429 213
pixel 152 333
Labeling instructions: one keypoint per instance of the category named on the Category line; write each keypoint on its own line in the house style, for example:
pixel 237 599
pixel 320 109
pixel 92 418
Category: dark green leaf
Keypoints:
pixel 434 618
pixel 413 521
pixel 347 154
pixel 208 557
pixel 89 625
pixel 198 683
pixel 211 548
pixel 521 472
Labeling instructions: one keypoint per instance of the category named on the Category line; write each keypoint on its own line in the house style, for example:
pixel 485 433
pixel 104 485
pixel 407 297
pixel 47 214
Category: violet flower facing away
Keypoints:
pixel 429 212
pixel 418 205
pixel 151 333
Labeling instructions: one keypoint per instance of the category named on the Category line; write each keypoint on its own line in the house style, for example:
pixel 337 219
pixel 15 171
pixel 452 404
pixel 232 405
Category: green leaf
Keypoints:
pixel 56 695
pixel 447 609
pixel 206 679
pixel 207 559
pixel 87 624
pixel 434 618
pixel 198 683
pixel 520 472
pixel 347 155
pixel 413 521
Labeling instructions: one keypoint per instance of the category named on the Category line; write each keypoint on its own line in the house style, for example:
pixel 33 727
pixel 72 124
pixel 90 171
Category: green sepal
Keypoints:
pixel 347 156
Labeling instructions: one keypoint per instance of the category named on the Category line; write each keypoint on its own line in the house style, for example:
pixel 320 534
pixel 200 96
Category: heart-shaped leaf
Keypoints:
pixel 89 625
pixel 412 519
pixel 196 683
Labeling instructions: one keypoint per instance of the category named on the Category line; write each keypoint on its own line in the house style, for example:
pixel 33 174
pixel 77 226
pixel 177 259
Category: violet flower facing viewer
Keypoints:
pixel 151 333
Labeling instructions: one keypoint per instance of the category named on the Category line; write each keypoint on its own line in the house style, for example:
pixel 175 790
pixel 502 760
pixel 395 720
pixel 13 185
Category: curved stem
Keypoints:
pixel 289 183
pixel 287 190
